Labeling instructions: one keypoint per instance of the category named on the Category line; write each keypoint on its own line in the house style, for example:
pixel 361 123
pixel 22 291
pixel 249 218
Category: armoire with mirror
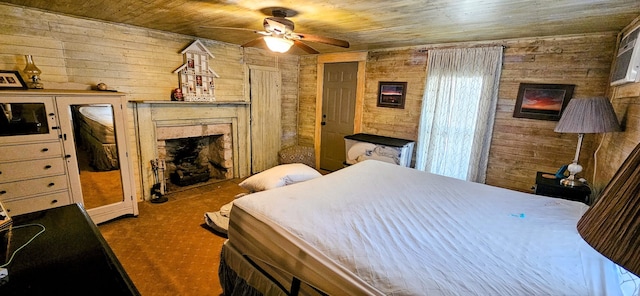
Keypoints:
pixel 59 147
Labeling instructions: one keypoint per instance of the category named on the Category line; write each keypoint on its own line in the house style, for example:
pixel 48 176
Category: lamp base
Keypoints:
pixel 35 85
pixel 571 183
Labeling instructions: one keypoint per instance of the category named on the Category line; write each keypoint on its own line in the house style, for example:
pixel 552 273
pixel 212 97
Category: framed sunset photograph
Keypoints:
pixel 542 101
pixel 392 94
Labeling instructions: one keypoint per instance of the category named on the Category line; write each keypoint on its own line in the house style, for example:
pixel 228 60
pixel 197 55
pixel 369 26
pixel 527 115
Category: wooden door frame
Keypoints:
pixel 361 58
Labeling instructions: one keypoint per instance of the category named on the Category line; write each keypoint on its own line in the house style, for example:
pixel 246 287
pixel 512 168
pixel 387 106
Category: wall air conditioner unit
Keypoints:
pixel 627 66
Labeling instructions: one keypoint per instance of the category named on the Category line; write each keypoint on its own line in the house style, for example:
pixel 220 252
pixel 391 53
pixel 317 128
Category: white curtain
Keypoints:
pixel 458 111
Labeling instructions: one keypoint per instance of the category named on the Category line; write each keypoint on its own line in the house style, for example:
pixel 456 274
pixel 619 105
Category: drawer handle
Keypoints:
pixel 51 184
pixel 3 192
pixel 46 167
pixel 45 149
pixel 54 201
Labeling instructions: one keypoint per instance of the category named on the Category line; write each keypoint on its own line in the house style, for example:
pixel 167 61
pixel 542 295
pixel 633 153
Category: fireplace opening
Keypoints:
pixel 197 161
pixel 190 165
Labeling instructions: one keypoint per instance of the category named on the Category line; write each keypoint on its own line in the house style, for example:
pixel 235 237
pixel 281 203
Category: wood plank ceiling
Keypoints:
pixel 366 24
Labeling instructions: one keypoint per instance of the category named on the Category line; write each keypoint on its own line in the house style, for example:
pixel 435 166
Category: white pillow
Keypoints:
pixel 278 176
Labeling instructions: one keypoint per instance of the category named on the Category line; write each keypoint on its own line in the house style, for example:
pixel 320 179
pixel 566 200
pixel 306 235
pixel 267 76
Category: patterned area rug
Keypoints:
pixel 167 249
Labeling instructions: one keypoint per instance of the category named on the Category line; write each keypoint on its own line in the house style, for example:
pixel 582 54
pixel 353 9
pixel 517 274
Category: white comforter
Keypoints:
pixel 406 232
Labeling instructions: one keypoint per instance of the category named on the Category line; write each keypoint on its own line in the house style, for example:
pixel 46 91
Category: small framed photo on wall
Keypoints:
pixel 542 101
pixel 392 94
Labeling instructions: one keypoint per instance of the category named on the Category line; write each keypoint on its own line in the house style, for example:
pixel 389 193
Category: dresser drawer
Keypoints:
pixel 13 171
pixel 30 151
pixel 32 186
pixel 36 203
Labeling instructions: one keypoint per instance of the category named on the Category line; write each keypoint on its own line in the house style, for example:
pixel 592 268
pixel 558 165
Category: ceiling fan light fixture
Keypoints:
pixel 278 44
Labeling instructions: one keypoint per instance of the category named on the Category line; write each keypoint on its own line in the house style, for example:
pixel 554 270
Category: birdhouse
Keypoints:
pixel 195 76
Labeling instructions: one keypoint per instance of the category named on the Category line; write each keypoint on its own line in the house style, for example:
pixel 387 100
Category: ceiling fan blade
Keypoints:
pixel 228 28
pixel 304 47
pixel 321 39
pixel 253 42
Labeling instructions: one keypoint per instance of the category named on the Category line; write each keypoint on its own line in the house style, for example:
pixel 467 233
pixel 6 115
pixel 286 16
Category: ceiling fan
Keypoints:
pixel 279 36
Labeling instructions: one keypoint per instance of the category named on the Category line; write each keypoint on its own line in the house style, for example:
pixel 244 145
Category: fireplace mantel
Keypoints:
pixel 151 114
pixel 189 103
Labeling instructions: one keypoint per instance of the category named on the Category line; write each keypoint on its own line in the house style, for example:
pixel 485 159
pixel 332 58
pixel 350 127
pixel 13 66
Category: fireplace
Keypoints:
pixel 195 154
pixel 216 132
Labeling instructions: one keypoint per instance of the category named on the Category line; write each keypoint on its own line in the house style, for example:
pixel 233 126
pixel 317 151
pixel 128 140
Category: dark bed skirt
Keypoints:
pixel 238 276
pixel 232 284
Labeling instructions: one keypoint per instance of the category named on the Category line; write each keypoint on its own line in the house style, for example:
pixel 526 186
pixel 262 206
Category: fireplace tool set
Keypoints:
pixel 159 188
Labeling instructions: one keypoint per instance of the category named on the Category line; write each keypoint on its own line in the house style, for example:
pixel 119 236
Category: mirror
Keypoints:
pixel 97 154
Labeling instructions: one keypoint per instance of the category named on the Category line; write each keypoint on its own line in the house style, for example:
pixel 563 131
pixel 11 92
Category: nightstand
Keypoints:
pixel 547 184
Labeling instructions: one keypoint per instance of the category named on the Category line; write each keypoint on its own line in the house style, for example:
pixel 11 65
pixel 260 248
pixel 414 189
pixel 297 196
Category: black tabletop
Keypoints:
pixel 70 257
pixel 380 140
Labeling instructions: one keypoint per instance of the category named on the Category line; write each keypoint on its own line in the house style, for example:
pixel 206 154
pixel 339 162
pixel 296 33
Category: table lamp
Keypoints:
pixel 585 116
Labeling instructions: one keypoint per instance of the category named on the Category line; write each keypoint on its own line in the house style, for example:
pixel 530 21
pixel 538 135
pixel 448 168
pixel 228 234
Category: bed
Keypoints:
pixel 95 129
pixel 376 228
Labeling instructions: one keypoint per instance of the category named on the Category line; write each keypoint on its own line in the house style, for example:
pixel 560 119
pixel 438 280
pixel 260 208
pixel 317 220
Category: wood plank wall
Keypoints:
pixel 617 146
pixel 307 100
pixel 76 53
pixel 520 147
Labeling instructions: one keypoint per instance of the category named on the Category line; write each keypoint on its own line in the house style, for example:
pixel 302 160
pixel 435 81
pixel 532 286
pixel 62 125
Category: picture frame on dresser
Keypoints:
pixel 11 80
pixel 542 101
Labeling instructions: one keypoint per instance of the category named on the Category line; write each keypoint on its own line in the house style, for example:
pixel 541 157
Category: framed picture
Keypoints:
pixel 11 80
pixel 392 94
pixel 542 101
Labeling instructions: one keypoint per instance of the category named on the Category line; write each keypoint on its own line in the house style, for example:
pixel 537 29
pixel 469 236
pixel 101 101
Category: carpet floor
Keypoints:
pixel 167 249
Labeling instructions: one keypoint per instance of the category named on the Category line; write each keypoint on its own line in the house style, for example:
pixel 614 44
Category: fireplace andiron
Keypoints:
pixel 158 189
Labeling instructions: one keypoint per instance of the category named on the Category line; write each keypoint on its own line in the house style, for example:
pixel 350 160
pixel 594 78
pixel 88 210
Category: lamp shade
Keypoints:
pixel 589 115
pixel 278 44
pixel 612 224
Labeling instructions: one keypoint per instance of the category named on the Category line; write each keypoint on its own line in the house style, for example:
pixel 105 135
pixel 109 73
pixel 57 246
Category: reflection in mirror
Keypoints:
pixel 97 155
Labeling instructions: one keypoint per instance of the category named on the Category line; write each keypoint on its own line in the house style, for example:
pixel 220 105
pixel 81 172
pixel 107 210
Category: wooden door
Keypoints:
pixel 266 128
pixel 338 110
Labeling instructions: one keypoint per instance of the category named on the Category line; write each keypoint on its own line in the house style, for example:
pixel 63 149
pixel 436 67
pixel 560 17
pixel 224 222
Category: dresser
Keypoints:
pixel 33 173
pixel 49 137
